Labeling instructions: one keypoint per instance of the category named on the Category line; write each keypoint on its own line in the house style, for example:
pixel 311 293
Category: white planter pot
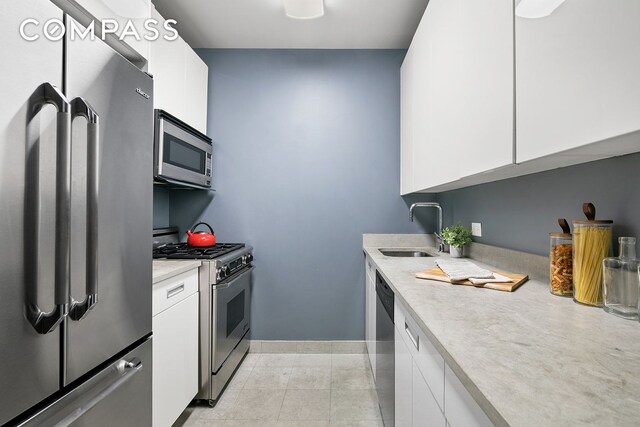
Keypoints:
pixel 456 252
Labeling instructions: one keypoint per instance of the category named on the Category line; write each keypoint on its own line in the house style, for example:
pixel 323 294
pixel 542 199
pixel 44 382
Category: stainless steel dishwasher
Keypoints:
pixel 385 354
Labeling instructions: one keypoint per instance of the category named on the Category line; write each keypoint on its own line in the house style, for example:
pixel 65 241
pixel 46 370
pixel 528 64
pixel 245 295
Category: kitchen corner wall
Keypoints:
pixel 519 213
pixel 306 160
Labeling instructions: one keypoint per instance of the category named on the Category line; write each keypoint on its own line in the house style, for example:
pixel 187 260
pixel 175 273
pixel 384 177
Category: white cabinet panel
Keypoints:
pixel 426 412
pixel 407 93
pixel 403 383
pixel 428 359
pixel 195 91
pixel 181 79
pixel 166 64
pixel 173 290
pixel 438 120
pixel 577 77
pixel 460 408
pixel 175 360
pixel 485 113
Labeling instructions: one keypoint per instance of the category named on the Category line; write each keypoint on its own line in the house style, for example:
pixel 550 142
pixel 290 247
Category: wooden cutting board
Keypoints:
pixel 439 275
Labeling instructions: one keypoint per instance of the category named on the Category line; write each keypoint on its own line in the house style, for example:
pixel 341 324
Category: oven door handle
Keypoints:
pixel 225 285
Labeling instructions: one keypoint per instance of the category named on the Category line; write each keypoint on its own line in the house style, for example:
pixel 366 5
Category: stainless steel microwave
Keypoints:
pixel 182 154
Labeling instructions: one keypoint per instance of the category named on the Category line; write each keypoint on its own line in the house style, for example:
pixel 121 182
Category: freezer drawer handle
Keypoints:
pixel 81 108
pixel 415 338
pixel 126 369
pixel 42 321
pixel 175 291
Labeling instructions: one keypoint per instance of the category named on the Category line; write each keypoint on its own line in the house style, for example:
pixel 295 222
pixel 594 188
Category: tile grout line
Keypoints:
pixel 285 394
pixel 240 390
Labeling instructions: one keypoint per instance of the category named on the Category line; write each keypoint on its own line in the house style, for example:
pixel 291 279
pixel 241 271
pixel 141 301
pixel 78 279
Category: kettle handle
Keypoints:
pixel 203 223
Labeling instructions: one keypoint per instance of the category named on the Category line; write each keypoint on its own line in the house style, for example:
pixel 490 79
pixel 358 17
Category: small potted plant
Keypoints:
pixel 456 237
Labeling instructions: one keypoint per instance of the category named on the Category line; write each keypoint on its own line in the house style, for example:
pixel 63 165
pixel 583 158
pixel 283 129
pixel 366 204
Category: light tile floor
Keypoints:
pixel 294 390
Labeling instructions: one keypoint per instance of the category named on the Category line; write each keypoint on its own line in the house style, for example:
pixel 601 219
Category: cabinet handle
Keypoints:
pixel 175 291
pixel 415 338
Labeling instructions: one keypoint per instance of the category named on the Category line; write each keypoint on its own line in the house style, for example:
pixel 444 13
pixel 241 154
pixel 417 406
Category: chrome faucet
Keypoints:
pixel 431 205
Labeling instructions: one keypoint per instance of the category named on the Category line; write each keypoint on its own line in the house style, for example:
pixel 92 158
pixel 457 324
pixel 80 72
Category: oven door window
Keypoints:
pixel 184 155
pixel 235 312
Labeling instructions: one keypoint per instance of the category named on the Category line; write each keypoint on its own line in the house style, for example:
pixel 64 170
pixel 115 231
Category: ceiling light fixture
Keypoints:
pixel 304 9
pixel 537 8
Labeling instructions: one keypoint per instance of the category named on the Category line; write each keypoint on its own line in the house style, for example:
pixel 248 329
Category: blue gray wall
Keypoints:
pixel 306 160
pixel 161 204
pixel 519 213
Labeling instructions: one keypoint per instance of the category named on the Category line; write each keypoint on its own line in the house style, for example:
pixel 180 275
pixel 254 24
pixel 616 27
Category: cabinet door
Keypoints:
pixel 426 412
pixel 577 74
pixel 166 64
pixel 175 360
pixel 407 93
pixel 486 111
pixel 403 382
pixel 195 90
pixel 459 406
pixel 437 96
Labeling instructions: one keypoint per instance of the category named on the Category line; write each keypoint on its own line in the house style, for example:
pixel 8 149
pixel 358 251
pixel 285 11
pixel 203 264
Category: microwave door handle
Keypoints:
pixel 45 322
pixel 81 108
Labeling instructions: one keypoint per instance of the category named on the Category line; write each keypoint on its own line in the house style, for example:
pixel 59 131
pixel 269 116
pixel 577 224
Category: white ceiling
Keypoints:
pixel 347 24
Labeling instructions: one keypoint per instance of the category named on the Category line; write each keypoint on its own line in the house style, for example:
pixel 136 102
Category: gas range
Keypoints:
pixel 224 284
pixel 224 259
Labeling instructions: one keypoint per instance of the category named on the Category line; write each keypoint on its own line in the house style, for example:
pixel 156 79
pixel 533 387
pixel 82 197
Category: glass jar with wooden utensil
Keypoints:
pixel 561 261
pixel 591 245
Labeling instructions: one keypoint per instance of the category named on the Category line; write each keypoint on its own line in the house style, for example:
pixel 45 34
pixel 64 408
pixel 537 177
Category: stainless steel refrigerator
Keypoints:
pixel 76 134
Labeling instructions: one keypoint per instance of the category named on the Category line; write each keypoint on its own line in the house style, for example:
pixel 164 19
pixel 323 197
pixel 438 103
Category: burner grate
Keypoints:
pixel 184 251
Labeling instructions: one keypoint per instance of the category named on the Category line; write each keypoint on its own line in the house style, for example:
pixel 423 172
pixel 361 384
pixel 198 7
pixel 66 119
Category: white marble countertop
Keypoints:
pixel 528 358
pixel 166 269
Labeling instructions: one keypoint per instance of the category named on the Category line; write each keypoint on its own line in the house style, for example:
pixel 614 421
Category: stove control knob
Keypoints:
pixel 221 273
pixel 226 270
pixel 248 258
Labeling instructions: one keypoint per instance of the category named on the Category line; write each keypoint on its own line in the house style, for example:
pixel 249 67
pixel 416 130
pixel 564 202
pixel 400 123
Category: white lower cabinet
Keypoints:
pixel 370 312
pixel 461 409
pixel 426 412
pixel 427 392
pixel 403 383
pixel 175 347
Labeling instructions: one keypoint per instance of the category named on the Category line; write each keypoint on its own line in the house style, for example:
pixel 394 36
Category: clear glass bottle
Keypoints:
pixel 621 281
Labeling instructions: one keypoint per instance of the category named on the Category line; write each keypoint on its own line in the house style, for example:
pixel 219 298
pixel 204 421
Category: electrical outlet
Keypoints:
pixel 476 229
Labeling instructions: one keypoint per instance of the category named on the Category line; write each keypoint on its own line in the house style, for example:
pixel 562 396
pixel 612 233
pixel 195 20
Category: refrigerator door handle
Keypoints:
pixel 81 108
pixel 42 321
pixel 125 370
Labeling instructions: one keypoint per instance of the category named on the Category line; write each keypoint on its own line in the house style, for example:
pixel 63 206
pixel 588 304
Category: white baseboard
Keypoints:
pixel 337 347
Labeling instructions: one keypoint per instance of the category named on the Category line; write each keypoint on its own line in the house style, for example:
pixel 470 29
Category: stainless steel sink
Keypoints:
pixel 403 253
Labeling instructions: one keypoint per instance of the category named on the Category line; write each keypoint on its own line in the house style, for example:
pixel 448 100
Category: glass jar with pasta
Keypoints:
pixel 591 245
pixel 561 264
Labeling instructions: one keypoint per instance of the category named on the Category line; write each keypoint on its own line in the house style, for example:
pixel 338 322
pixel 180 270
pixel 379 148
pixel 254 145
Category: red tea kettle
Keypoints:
pixel 201 239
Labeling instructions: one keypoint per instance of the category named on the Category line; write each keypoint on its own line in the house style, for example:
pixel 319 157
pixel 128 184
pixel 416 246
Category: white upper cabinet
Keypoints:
pixel 493 90
pixel 457 93
pixel 577 78
pixel 166 64
pixel 195 91
pixel 485 113
pixel 406 123
pixel 180 79
pixel 437 96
